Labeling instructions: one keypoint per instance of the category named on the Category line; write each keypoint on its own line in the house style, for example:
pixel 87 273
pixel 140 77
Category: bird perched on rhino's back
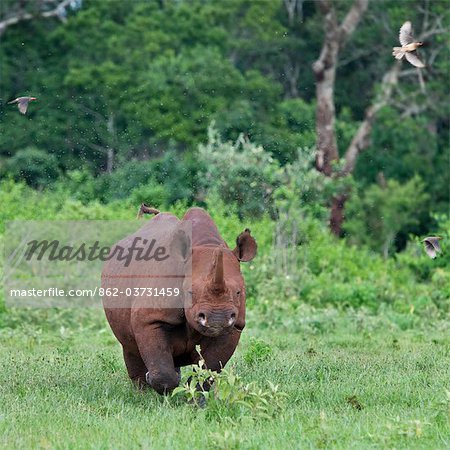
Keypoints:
pixel 22 103
pixel 432 246
pixel 145 209
pixel 409 46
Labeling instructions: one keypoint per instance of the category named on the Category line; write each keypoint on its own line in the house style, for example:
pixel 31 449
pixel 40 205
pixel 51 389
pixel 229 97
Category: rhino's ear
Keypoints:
pixel 245 246
pixel 180 247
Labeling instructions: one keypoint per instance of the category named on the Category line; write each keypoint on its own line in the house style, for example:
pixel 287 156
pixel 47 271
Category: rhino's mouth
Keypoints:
pixel 214 331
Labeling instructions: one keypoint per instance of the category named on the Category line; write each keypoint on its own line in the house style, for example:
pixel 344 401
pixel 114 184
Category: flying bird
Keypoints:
pixel 432 246
pixel 22 103
pixel 409 46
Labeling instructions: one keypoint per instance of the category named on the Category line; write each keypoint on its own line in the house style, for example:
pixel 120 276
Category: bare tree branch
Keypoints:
pixel 362 53
pixel 426 14
pixel 360 140
pixel 352 20
pixel 290 8
pixel 22 16
pixel 110 137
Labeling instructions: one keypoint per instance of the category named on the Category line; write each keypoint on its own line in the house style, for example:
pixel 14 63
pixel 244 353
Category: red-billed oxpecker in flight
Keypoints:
pixel 409 46
pixel 22 103
pixel 432 246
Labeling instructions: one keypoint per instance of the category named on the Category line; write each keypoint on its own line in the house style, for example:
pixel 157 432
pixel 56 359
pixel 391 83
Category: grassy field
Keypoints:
pixel 352 381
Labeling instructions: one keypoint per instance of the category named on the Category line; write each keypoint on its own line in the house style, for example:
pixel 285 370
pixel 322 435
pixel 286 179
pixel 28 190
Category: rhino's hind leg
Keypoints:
pixel 135 367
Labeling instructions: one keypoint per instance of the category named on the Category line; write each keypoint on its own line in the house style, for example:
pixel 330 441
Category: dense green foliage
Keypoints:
pixel 141 81
pixel 298 260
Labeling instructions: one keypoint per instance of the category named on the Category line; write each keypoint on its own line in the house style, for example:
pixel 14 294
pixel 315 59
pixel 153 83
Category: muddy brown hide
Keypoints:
pixel 158 338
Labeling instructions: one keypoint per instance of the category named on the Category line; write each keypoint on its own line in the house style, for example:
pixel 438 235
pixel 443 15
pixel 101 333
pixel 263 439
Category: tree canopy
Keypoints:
pixel 128 81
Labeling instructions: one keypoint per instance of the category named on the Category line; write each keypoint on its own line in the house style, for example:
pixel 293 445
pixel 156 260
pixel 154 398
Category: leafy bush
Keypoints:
pixel 229 396
pixel 240 172
pixel 400 151
pixel 257 351
pixel 243 174
pixel 160 181
pixel 300 119
pixel 126 178
pixel 381 212
pixel 36 167
pixel 302 194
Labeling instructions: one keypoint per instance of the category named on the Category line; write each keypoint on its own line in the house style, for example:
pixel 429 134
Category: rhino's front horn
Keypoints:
pixel 218 282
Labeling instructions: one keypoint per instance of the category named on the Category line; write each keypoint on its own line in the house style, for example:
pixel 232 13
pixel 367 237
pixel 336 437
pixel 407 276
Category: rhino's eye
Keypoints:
pixel 190 293
pixel 238 292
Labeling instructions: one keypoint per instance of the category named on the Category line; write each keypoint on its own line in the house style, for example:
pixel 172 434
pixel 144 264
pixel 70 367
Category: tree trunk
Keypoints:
pixel 292 73
pixel 110 150
pixel 337 214
pixel 325 73
pixel 109 160
pixel 290 8
pixel 360 142
pixel 336 35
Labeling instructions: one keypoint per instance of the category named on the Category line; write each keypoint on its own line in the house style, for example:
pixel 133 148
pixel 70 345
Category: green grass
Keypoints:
pixel 352 382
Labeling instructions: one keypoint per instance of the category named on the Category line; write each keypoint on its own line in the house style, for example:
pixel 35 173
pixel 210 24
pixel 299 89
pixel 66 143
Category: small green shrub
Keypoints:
pixel 36 167
pixel 257 351
pixel 229 396
pixel 378 214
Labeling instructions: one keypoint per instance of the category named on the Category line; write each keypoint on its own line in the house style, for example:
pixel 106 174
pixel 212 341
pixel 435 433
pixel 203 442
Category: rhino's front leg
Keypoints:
pixel 156 351
pixel 217 351
pixel 148 378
